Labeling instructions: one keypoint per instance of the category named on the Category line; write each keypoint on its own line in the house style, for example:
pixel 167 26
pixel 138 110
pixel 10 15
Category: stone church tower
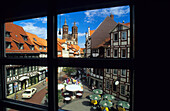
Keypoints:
pixel 70 38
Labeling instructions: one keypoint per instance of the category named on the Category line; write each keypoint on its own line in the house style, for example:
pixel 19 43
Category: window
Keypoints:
pixel 35 39
pixel 44 48
pixel 122 90
pixel 123 72
pixel 116 37
pixel 107 70
pixel 108 52
pixel 7 34
pixel 115 52
pixel 40 47
pixel 8 45
pixel 124 35
pixel 123 53
pixel 24 37
pixel 107 84
pixel 115 71
pixel 54 62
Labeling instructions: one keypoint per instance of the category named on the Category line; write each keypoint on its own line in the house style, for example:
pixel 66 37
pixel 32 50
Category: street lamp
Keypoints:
pixel 117 81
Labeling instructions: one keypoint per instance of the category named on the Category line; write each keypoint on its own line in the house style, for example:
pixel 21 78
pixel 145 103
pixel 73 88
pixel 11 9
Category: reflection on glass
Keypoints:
pixel 82 84
pixel 9 109
pixel 27 83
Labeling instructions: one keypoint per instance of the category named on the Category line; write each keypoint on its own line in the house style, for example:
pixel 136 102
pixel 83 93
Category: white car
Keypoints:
pixel 28 93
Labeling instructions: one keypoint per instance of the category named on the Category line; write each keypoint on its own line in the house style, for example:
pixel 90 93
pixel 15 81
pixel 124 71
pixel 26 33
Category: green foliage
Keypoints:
pixel 69 70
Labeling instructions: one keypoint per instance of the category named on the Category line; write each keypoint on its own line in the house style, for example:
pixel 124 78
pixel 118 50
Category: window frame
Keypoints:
pixel 52 61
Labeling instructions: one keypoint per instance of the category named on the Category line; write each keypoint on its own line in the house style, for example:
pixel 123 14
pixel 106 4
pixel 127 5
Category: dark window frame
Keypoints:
pixel 52 61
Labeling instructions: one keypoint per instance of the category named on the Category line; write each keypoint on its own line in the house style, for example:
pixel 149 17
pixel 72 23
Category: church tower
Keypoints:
pixel 75 33
pixel 65 30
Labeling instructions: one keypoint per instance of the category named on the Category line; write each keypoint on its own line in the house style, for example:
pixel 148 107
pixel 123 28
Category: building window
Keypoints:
pixel 115 37
pixel 25 70
pixel 122 90
pixel 123 53
pixel 40 47
pixel 108 52
pixel 114 87
pixel 107 70
pixel 115 53
pixel 59 53
pixel 115 71
pixel 24 37
pixel 8 45
pixel 107 84
pixel 7 34
pixel 16 71
pixel 123 72
pixel 124 35
pixel 44 48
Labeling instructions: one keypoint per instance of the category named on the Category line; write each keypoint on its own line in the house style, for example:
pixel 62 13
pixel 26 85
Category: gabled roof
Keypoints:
pixel 126 25
pixel 91 32
pixel 102 32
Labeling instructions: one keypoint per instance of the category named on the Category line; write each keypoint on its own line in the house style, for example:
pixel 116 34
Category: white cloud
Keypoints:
pixel 39 31
pixel 81 34
pixel 82 45
pixel 42 19
pixel 118 11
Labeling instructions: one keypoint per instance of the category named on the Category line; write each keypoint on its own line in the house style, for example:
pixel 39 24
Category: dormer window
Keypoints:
pixel 34 39
pixel 32 47
pixel 8 45
pixel 7 34
pixel 44 48
pixel 40 47
pixel 24 37
pixel 21 46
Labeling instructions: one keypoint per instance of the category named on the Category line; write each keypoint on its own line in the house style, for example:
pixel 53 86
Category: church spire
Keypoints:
pixel 65 22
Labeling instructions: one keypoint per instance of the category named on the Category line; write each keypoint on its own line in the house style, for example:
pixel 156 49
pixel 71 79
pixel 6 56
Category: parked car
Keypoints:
pixel 28 93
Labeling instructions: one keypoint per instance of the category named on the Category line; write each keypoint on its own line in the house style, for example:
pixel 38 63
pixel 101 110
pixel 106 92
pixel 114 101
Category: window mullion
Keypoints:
pixel 51 55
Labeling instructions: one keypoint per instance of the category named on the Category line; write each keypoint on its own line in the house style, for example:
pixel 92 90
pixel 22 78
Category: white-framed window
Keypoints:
pixel 115 37
pixel 108 52
pixel 107 84
pixel 59 53
pixel 115 53
pixel 115 71
pixel 123 72
pixel 123 53
pixel 123 35
pixel 122 89
pixel 107 70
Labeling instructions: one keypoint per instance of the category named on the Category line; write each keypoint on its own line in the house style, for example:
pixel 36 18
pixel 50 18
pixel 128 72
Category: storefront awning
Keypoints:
pixel 23 78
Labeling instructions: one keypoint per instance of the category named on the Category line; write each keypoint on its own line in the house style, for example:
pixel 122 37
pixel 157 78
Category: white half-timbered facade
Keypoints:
pixel 119 48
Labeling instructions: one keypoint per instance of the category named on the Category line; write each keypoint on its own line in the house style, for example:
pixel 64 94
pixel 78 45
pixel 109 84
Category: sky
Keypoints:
pixel 83 19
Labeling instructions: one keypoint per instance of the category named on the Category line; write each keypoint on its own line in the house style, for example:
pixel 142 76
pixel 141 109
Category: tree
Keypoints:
pixel 69 70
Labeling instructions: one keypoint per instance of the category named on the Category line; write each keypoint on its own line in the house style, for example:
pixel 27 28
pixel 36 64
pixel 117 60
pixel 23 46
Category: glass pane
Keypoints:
pixel 102 33
pixel 27 83
pixel 26 38
pixel 75 85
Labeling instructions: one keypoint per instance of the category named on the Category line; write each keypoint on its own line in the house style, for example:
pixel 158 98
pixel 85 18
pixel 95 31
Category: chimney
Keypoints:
pixel 88 31
pixel 112 16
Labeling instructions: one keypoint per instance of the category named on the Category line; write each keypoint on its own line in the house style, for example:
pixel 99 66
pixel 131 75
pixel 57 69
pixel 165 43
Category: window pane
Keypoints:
pixel 109 81
pixel 99 33
pixel 26 38
pixel 29 86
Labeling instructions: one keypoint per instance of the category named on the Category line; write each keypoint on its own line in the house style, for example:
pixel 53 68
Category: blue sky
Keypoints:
pixel 83 19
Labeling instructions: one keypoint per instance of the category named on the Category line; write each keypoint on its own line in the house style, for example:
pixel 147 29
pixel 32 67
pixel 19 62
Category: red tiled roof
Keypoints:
pixel 16 33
